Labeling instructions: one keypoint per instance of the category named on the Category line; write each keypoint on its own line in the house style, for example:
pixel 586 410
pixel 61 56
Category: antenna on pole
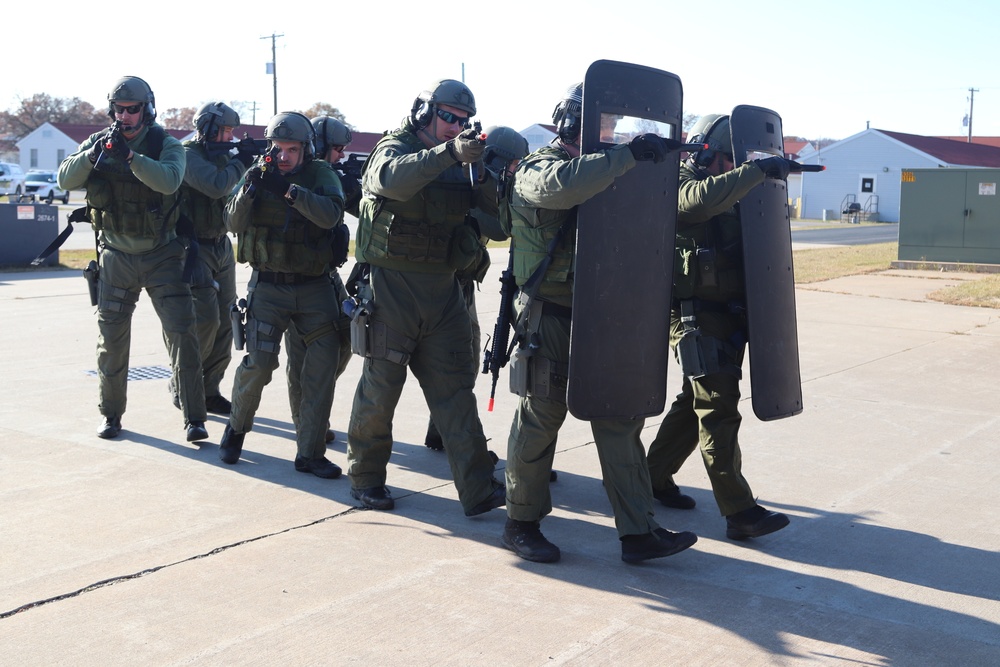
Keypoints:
pixel 272 68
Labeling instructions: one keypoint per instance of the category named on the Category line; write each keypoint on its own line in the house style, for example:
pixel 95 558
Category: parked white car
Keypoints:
pixel 43 185
pixel 11 179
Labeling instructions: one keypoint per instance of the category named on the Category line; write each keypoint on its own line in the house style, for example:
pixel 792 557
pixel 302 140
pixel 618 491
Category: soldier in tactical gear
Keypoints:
pixel 284 215
pixel 332 138
pixel 708 330
pixel 548 186
pixel 210 176
pixel 414 232
pixel 504 149
pixel 131 174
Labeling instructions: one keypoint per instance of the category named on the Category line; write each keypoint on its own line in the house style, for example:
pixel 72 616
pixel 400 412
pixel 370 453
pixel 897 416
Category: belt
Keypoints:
pixel 279 278
pixel 210 241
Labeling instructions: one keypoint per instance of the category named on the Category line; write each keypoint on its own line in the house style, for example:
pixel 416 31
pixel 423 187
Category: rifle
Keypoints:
pixel 253 146
pixel 269 160
pixel 474 167
pixel 497 354
pixel 106 142
pixel 351 167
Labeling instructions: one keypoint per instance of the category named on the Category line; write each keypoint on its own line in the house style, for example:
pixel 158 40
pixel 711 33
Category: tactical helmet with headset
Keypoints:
pixel 292 126
pixel 446 91
pixel 566 115
pixel 133 89
pixel 503 144
pixel 329 132
pixel 213 116
pixel 712 129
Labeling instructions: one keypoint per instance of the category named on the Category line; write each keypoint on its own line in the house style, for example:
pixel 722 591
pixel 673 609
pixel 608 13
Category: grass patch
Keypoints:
pixel 816 264
pixel 982 293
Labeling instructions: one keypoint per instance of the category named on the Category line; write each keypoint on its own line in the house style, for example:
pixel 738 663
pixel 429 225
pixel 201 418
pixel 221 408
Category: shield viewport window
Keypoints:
pixel 621 129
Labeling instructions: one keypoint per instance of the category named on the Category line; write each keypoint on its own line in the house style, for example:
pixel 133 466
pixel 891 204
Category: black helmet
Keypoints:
pixel 503 144
pixel 712 129
pixel 133 89
pixel 329 132
pixel 566 115
pixel 213 116
pixel 446 91
pixel 292 126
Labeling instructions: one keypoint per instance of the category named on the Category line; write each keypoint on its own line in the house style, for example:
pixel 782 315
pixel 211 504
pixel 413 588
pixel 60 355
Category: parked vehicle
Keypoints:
pixel 43 185
pixel 11 179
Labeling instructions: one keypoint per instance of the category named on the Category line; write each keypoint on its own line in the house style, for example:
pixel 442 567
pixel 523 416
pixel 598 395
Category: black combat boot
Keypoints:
pixel 661 542
pixel 754 522
pixel 526 540
pixel 196 431
pixel 231 445
pixel 110 428
pixel 674 499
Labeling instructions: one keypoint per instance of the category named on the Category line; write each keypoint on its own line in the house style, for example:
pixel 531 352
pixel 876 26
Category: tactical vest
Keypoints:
pixel 416 234
pixel 709 257
pixel 202 210
pixel 120 203
pixel 533 229
pixel 280 238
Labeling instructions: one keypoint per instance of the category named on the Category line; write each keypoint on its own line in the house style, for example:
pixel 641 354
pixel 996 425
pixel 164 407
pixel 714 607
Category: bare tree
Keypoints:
pixel 41 108
pixel 324 109
pixel 177 119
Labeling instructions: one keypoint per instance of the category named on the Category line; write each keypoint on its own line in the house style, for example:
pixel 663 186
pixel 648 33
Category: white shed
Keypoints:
pixel 865 169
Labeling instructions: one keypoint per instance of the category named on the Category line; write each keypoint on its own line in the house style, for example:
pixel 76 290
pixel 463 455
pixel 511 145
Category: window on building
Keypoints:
pixel 34 158
pixel 60 155
pixel 867 185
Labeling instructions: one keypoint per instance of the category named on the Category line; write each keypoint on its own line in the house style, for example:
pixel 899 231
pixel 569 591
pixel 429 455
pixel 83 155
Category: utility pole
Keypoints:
pixel 274 68
pixel 972 96
pixel 254 110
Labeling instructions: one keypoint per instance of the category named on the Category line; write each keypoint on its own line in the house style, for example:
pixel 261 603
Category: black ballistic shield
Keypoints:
pixel 775 381
pixel 619 339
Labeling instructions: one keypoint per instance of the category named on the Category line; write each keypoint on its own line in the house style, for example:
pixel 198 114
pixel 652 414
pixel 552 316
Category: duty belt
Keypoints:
pixel 279 278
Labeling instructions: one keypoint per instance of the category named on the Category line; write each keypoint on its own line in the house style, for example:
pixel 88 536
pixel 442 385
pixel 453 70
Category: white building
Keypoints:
pixel 865 169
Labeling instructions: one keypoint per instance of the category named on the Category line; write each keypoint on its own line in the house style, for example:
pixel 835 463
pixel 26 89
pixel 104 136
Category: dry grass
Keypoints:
pixel 816 264
pixel 984 293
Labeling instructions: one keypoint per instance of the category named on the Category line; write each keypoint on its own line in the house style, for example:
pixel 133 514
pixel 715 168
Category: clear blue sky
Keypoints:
pixel 827 68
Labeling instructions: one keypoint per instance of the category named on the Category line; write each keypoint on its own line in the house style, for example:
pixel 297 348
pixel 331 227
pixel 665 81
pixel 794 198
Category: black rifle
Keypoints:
pixel 269 160
pixel 107 141
pixel 497 354
pixel 254 146
pixel 351 167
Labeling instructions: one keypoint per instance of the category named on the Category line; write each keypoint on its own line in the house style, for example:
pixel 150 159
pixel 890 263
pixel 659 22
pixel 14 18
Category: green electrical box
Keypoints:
pixel 950 215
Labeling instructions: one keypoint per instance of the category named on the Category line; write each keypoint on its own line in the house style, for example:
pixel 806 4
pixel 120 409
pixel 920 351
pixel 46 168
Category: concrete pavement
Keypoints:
pixel 147 549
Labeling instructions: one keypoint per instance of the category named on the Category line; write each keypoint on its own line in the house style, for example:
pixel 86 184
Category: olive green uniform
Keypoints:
pixel 413 232
pixel 295 349
pixel 207 183
pixel 288 245
pixel 132 207
pixel 706 412
pixel 548 185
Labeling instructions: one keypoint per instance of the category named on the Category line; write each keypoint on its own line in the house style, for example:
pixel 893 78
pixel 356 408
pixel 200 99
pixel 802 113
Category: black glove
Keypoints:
pixel 269 180
pixel 774 167
pixel 246 152
pixel 95 151
pixel 352 190
pixel 648 147
pixel 119 147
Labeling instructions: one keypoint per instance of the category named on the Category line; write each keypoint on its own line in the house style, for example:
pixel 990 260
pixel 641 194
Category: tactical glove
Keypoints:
pixel 269 180
pixel 774 167
pixel 648 147
pixel 118 146
pixel 352 191
pixel 95 151
pixel 467 147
